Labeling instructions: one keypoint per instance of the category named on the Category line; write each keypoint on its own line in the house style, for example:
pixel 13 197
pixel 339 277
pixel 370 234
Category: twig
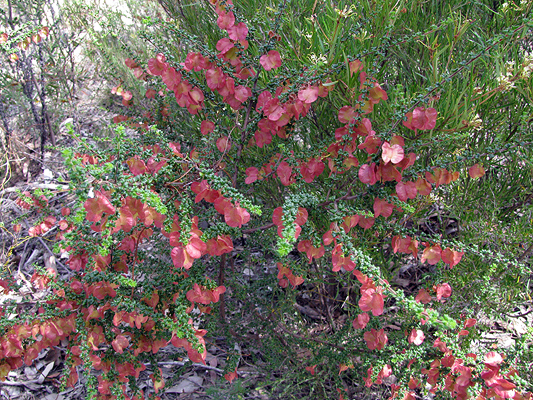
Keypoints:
pixel 68 271
pixel 259 228
pixel 519 315
pixel 525 253
pixel 243 133
pixel 222 303
pixel 48 186
pixel 22 383
pixel 311 338
pixel 324 304
pixel 345 197
pixel 182 363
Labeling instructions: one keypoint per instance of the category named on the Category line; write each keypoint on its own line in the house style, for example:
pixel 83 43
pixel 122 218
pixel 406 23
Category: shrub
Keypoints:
pixel 329 152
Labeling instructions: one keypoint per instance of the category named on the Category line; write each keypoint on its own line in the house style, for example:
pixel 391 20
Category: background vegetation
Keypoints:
pixel 471 61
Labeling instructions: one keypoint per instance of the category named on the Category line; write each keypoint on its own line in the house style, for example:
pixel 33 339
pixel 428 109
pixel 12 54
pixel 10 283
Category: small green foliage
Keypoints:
pixel 347 184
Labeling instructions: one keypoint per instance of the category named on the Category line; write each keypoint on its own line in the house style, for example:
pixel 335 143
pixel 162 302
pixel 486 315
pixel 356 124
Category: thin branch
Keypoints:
pixel 525 253
pixel 259 228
